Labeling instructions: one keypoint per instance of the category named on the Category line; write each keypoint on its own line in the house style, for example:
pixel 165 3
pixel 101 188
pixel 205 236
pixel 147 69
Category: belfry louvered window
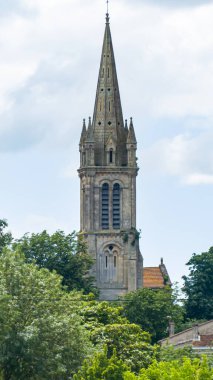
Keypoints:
pixel 105 207
pixel 116 206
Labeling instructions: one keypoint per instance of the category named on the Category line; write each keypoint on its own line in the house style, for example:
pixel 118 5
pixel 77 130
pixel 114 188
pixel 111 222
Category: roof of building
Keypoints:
pixel 156 277
pixel 205 341
pixel 205 331
pixel 153 278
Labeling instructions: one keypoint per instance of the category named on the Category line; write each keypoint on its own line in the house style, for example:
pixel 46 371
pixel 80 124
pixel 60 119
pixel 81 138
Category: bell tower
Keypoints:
pixel 108 171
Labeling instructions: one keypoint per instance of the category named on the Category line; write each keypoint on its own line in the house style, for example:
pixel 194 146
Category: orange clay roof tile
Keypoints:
pixel 153 278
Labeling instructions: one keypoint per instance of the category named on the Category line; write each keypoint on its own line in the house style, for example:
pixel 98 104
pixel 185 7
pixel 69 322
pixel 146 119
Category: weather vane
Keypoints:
pixel 107 6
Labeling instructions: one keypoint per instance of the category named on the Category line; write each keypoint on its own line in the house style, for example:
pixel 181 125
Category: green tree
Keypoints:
pixel 198 286
pixel 41 335
pixel 171 353
pixel 5 237
pixel 131 344
pixel 151 308
pixel 66 254
pixel 99 314
pixel 108 327
pixel 188 370
pixel 100 367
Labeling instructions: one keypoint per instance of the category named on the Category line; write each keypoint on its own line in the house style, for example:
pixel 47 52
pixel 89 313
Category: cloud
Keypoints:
pixel 174 61
pixel 16 7
pixel 189 157
pixel 199 179
pixel 173 3
pixel 42 110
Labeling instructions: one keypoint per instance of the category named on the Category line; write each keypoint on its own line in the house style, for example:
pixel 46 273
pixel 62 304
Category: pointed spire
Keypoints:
pixel 83 133
pixel 108 111
pixel 131 139
pixel 90 134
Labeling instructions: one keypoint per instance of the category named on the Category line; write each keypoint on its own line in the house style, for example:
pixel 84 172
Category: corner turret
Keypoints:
pixel 82 144
pixel 90 145
pixel 131 145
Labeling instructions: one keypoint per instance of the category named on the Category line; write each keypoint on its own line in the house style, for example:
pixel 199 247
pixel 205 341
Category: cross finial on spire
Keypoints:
pixel 107 14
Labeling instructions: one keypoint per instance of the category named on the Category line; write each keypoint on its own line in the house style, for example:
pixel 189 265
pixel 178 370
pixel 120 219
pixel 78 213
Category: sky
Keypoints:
pixel 49 62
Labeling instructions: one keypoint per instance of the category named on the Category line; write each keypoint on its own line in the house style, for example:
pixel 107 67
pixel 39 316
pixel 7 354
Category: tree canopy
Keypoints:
pixel 132 344
pixel 100 367
pixel 66 254
pixel 5 237
pixel 110 329
pixel 198 286
pixel 151 309
pixel 41 334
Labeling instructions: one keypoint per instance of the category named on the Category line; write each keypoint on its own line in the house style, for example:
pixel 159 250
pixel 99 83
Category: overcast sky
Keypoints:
pixel 49 60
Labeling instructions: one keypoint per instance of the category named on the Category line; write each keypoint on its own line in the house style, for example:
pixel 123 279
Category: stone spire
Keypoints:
pixel 108 114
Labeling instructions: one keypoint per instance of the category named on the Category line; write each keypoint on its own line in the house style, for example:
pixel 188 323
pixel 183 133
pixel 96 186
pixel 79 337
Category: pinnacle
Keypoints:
pixel 83 133
pixel 131 139
pixel 90 134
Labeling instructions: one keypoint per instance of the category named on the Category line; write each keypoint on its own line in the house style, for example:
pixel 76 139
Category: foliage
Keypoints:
pixel 98 314
pixel 41 336
pixel 107 327
pixel 151 309
pixel 171 353
pixel 5 237
pixel 198 286
pixel 102 367
pixel 66 254
pixel 130 342
pixel 189 370
pixel 132 233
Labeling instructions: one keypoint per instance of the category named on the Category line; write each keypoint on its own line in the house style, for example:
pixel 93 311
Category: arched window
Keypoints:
pixel 111 156
pixel 116 206
pixel 105 207
pixel 109 265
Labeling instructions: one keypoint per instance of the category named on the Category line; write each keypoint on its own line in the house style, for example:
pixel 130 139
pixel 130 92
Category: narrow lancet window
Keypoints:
pixel 111 156
pixel 108 72
pixel 105 207
pixel 116 206
pixel 115 261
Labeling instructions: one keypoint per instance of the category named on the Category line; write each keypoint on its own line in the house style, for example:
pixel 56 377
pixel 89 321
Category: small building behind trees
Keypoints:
pixel 199 337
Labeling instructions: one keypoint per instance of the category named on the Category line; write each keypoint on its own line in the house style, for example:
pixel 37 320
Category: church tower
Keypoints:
pixel 108 170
